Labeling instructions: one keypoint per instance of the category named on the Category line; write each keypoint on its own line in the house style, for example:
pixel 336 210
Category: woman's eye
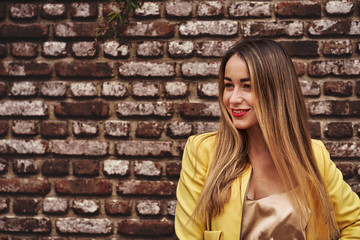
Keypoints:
pixel 247 86
pixel 228 85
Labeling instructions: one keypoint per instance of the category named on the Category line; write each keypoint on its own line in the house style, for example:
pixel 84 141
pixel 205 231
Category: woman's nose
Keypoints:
pixel 236 97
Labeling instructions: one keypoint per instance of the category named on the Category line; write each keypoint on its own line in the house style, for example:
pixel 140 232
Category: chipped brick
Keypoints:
pixel 338 88
pixel 161 109
pixel 84 225
pixel 113 89
pixel 178 9
pixel 179 129
pixel 55 205
pixel 150 49
pixel 148 9
pixel 117 207
pixel 339 67
pixel 25 166
pixel 148 207
pixel 24 49
pixel 146 69
pixel 80 147
pixel 81 89
pixel 208 90
pixel 213 48
pixel 337 47
pixel 181 48
pixel 75 29
pixel 274 29
pixel 212 28
pixel 203 127
pixel 23 11
pixel 143 148
pixel 53 10
pixel 24 185
pixel 116 167
pixel 85 128
pixel 200 69
pixel 149 129
pixel 176 89
pixel 86 206
pixel 310 88
pixel 145 89
pixel 25 224
pixel 144 187
pixel 339 7
pixel 249 9
pixel 83 10
pixel 191 109
pixel 17 146
pixel 24 89
pixel 113 49
pixel 53 89
pixel 343 149
pixel 116 128
pixel 149 29
pixel 210 9
pixel 148 168
pixel 24 69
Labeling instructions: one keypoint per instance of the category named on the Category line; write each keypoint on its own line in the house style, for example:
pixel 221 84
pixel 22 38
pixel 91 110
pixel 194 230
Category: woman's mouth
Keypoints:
pixel 239 112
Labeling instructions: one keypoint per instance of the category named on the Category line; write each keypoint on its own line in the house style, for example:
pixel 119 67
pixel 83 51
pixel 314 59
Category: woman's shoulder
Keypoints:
pixel 204 140
pixel 317 145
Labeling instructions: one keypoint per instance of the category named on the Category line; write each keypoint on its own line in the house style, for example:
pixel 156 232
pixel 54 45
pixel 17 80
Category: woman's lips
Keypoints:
pixel 239 112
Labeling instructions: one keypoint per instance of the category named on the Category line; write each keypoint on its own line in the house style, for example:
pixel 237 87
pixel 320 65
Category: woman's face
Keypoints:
pixel 238 97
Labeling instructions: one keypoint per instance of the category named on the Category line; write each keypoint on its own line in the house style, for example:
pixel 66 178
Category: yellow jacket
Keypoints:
pixel 227 225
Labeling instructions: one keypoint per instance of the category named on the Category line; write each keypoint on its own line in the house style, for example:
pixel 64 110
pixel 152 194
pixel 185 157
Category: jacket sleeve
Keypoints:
pixel 346 203
pixel 192 177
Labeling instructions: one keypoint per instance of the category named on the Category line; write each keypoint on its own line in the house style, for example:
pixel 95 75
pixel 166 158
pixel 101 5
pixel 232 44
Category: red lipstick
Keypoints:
pixel 239 112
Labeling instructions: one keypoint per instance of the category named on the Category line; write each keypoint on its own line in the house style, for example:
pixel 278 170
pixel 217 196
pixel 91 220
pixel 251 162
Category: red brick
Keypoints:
pixel 148 168
pixel 113 49
pixel 149 129
pixel 298 9
pixel 3 50
pixel 148 207
pixel 114 89
pixel 84 69
pixel 54 129
pixel 85 128
pixel 200 69
pixel 17 146
pixel 148 9
pixel 83 10
pixel 315 129
pixel 143 148
pixel 53 238
pixel 335 108
pixel 82 109
pixel 356 188
pixel 24 69
pixel 55 205
pixel 145 89
pixel 146 227
pixel 213 48
pixel 23 11
pixel 4 128
pixel 310 88
pixel 301 48
pixel 93 226
pixel 3 237
pixel 146 69
pixel 75 29
pixel 250 9
pixel 209 28
pixel 327 27
pixel 2 10
pixel 24 49
pixel 179 129
pixel 208 90
pixel 23 31
pixel 274 29
pixel 25 166
pixel 149 29
pixel 26 205
pixel 24 127
pixel 53 10
pixel 80 147
pixel 339 130
pixel 3 166
pixel 357 171
pixel 84 49
pixel 203 127
pixel 173 168
pixel 181 49
pixel 339 67
pixel 4 205
pixel 118 207
pixel 24 185
pixel 161 109
pixel 210 9
pixel 83 186
pixel 116 128
pixel 299 68
pixel 357 88
pixel 3 89
pixel 24 238
pixel 144 187
pixel 181 9
pixel 191 109
pixel 24 88
pixel 338 88
pixel 339 7
pixel 176 89
pixel 25 224
pixel 55 167
pixel 337 47
pixel 115 168
pixel 83 167
pixel 150 49
pixel 53 89
pixel 86 206
pixel 343 149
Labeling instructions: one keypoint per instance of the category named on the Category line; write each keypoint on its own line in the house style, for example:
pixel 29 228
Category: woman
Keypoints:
pixel 260 176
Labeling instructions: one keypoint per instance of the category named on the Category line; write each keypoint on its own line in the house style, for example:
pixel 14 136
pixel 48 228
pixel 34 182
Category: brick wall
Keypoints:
pixel 92 135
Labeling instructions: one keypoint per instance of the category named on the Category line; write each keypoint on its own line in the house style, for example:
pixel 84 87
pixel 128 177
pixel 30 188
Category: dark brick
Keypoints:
pixel 357 88
pixel 149 129
pixel 3 51
pixel 23 11
pixel 3 166
pixel 24 69
pixel 83 10
pixel 343 149
pixel 83 167
pixel 53 10
pixel 191 109
pixel 54 129
pixel 173 168
pixel 24 238
pixel 347 170
pixel 4 128
pixel 335 108
pixel 3 89
pixel 339 130
pixel 328 27
pixel 75 29
pixel 301 48
pixel 143 187
pixel 25 166
pixel 338 88
pixel 26 205
pixel 84 69
pixel 25 224
pixel 315 129
pixel 274 29
pixel 357 171
pixel 145 227
pixel 298 9
pixel 4 205
pixel 118 207
pixel 2 10
pixel 82 109
pixel 55 167
pixel 149 29
pixel 23 31
pixel 24 185
pixel 299 68
pixel 83 186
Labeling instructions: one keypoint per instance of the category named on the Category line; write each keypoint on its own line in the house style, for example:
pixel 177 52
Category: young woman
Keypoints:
pixel 260 176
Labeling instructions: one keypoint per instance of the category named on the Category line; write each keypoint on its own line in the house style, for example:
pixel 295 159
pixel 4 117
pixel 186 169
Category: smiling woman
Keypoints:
pixel 261 176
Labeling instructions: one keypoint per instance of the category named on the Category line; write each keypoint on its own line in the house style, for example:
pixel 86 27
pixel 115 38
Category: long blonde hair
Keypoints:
pixel 282 116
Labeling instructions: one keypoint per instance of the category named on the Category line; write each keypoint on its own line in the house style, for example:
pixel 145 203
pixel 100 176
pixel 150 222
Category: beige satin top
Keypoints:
pixel 272 217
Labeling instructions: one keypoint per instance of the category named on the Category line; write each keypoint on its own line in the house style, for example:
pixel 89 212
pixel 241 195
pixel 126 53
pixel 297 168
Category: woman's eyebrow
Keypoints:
pixel 245 80
pixel 227 79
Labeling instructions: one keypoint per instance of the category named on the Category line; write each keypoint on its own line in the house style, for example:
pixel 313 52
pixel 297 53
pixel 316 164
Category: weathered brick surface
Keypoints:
pixel 143 187
pixel 331 27
pixel 83 186
pixel 339 130
pixel 210 9
pixel 21 31
pixel 24 89
pixel 150 49
pixel 3 51
pixel 23 11
pixel 145 89
pixel 75 29
pixel 176 89
pixel 4 127
pixel 24 49
pixel 212 28
pixel 338 88
pixel 148 168
pixel 25 224
pixel 3 89
pixel 24 185
pixel 213 48
pixel 274 29
pixel 343 149
pixel 25 166
pixel 2 10
pixel 208 90
pixel 149 129
pixel 171 207
pixel 116 128
pixel 179 129
pixel 346 169
pixel 86 206
pixel 4 204
pixel 117 207
pixel 83 69
pixel 17 146
pixel 298 9
pixel 53 10
pixel 84 225
pixel 3 166
pixel 54 129
pixel 337 47
pixel 53 89
pixel 82 109
pixel 83 10
pixel 114 89
pixel 173 168
pixel 85 128
pixel 299 68
pixel 24 127
pixel 145 227
pixel 80 147
pixel 339 67
pixel 113 49
pixel 148 207
pixel 146 69
pixel 83 167
pixel 339 7
pixel 160 109
pixel 24 69
pixel 148 9
pixel 301 48
pixel 250 9
pixel 84 49
pixel 203 127
pixel 26 205
pixel 116 167
pixel 55 205
pixel 143 148
pixel 54 49
pixel 149 29
pixel 310 88
pixel 335 108
pixel 55 167
pixel 178 8
pixel 200 69
pixel 191 109
pixel 181 48
pixel 357 90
